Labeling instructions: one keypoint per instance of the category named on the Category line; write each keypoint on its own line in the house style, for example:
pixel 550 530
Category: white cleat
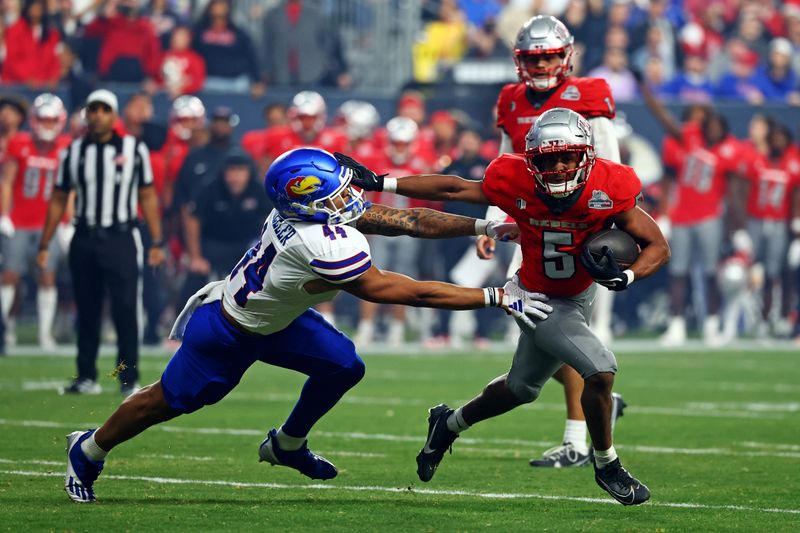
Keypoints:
pixel 675 334
pixel 81 471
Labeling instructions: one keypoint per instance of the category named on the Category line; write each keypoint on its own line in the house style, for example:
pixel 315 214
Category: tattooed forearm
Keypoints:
pixel 424 223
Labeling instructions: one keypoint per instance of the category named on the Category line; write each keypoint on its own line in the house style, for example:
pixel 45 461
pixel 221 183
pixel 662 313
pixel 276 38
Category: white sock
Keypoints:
pixel 455 422
pixel 92 450
pixel 46 302
pixel 288 443
pixel 7 293
pixel 604 457
pixel 575 433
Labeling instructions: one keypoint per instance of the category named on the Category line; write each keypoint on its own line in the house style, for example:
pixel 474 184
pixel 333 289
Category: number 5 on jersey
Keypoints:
pixel 557 264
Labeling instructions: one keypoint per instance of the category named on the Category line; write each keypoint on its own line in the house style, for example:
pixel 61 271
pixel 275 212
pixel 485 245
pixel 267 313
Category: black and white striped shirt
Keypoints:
pixel 106 178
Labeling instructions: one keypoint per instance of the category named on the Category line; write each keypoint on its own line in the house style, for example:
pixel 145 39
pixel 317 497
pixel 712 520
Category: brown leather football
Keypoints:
pixel 622 245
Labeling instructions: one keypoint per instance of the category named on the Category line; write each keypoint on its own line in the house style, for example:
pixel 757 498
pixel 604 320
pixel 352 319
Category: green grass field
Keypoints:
pixel 716 436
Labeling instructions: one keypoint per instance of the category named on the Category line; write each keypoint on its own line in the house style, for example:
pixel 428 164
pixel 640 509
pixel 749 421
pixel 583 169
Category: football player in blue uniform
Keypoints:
pixel 312 245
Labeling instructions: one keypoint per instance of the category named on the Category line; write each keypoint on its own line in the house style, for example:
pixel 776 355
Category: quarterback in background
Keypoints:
pixel 312 245
pixel 543 53
pixel 559 194
pixel 27 181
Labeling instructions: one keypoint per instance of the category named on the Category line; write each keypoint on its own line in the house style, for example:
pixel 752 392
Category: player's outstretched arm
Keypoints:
pixel 655 249
pixel 381 286
pixel 430 224
pixel 423 186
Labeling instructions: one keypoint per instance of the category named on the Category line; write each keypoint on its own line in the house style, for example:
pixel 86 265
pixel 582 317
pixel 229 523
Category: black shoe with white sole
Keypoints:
pixel 562 456
pixel 622 486
pixel 439 439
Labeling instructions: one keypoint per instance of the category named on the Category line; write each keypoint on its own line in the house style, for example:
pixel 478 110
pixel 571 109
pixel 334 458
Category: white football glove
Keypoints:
pixel 523 305
pixel 6 226
pixel 742 243
pixel 498 230
pixel 64 236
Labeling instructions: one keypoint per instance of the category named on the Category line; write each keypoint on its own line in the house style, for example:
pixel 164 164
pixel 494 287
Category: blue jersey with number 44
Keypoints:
pixel 264 291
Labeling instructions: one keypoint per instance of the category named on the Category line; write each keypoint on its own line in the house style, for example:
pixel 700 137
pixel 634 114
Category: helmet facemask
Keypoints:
pixel 543 79
pixel 561 182
pixel 342 206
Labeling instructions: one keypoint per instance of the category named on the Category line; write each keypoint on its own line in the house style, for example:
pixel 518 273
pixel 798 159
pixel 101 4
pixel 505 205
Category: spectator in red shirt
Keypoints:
pixel 129 48
pixel 32 48
pixel 183 71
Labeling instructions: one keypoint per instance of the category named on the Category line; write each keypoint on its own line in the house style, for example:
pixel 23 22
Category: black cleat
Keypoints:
pixel 562 456
pixel 616 481
pixel 439 439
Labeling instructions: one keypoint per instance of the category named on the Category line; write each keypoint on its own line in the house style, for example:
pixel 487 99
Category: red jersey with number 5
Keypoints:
pixel 591 97
pixel 700 188
pixel 552 243
pixel 33 184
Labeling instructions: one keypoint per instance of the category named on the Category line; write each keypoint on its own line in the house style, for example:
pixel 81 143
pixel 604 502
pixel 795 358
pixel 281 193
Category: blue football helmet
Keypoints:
pixel 308 184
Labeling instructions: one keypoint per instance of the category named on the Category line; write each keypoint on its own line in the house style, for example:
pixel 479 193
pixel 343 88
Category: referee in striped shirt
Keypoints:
pixel 111 176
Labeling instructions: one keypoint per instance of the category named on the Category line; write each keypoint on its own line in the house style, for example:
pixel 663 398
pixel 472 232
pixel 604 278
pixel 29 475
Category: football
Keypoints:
pixel 622 245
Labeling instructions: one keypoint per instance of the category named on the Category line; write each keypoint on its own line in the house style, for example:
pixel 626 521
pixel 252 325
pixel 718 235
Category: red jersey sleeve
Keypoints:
pixel 594 98
pixel 495 187
pixel 14 148
pixel 503 106
pixel 624 187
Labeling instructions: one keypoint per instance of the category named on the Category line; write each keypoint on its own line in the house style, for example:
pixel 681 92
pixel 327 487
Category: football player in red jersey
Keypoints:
pixel 771 194
pixel 27 181
pixel 543 56
pixel 705 157
pixel 558 193
pixel 307 127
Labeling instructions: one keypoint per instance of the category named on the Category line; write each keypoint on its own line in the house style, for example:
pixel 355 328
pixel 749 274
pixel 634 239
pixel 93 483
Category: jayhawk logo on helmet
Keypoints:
pixel 302 185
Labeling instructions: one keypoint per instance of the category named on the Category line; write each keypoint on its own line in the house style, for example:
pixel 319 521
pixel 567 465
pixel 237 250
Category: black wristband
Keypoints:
pixel 157 244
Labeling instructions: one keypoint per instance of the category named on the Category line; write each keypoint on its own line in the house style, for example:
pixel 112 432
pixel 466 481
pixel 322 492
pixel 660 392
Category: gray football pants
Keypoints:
pixel 564 337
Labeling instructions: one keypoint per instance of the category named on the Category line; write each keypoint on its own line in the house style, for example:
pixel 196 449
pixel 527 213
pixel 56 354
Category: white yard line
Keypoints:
pixel 753 410
pixel 396 490
pixel 384 437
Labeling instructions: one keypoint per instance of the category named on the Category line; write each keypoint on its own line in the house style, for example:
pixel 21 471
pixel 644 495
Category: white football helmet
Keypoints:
pixel 401 132
pixel 556 131
pixel 307 104
pixel 543 34
pixel 48 118
pixel 187 114
pixel 360 118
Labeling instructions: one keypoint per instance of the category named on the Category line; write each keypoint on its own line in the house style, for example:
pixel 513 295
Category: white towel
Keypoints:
pixel 209 293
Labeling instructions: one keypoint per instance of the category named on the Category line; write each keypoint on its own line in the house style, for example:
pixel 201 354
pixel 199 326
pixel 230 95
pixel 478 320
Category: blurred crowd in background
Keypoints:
pixel 208 169
pixel 691 50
